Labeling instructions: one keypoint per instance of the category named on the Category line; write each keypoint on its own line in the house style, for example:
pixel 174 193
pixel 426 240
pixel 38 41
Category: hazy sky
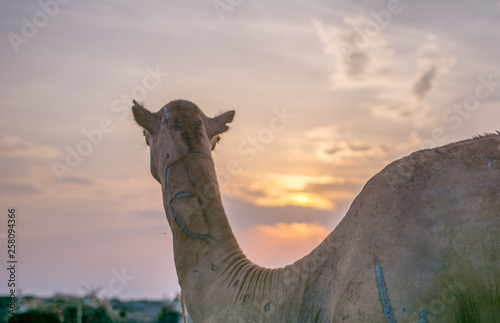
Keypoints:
pixel 326 94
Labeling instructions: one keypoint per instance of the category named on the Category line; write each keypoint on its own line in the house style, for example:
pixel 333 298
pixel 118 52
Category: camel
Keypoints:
pixel 420 243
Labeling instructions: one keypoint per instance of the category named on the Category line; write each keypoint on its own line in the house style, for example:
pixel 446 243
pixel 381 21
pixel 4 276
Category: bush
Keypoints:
pixel 168 315
pixel 34 317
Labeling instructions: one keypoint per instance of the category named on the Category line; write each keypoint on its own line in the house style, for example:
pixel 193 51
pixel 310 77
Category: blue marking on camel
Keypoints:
pixel 166 115
pixel 422 318
pixel 492 162
pixel 183 226
pixel 167 173
pixel 383 294
pixel 179 195
pixel 174 212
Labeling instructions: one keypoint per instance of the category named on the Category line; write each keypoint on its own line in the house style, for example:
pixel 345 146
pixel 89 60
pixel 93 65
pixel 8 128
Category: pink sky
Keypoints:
pixel 322 104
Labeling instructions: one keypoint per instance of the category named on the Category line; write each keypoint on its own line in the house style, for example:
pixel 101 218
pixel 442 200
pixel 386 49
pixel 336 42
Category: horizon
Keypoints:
pixel 82 296
pixel 326 94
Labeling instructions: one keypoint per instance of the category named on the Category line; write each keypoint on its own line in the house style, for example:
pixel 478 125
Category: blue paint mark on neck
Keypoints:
pixel 176 197
pixel 166 115
pixel 189 174
pixel 179 195
pixel 167 173
pixel 383 294
pixel 183 226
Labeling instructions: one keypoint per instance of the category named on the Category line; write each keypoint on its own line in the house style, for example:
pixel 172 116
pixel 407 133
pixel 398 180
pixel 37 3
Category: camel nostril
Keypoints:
pixel 168 155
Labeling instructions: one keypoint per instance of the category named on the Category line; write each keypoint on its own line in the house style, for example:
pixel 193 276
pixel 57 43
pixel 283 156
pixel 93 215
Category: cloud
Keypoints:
pixel 400 108
pixel 280 190
pixel 433 63
pixel 16 189
pixel 425 82
pixel 296 182
pixel 355 67
pixel 324 132
pixel 345 187
pixel 15 147
pixel 244 215
pixel 294 231
pixel 402 78
pixel 78 180
pixel 156 214
pixel 279 198
pixel 342 151
pixel 291 189
pixel 282 243
pixel 357 64
pixel 332 145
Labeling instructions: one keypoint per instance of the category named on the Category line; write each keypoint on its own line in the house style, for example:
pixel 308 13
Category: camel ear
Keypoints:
pixel 145 118
pixel 218 125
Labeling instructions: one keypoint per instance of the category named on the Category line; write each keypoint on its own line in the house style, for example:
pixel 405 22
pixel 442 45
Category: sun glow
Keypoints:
pixel 302 199
pixel 305 199
pixel 308 200
pixel 278 190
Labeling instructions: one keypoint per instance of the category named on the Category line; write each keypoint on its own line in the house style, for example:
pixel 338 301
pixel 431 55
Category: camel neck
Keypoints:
pixel 191 196
pixel 208 260
pixel 202 237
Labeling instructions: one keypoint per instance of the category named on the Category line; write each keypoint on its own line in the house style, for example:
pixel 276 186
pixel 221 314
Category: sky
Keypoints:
pixel 326 94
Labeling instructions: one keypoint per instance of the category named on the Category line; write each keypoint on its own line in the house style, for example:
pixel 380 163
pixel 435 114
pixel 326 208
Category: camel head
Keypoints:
pixel 178 128
pixel 178 134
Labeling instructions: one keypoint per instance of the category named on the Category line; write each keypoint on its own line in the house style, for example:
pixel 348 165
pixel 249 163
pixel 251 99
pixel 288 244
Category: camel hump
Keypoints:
pixel 422 239
pixel 480 153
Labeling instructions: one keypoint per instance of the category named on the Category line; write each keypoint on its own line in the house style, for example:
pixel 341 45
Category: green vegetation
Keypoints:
pixel 34 316
pixel 89 309
pixel 168 315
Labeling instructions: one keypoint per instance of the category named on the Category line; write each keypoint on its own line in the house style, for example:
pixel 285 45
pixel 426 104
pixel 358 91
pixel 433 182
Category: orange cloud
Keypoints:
pixel 280 197
pixel 282 243
pixel 321 192
pixel 277 190
pixel 294 231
